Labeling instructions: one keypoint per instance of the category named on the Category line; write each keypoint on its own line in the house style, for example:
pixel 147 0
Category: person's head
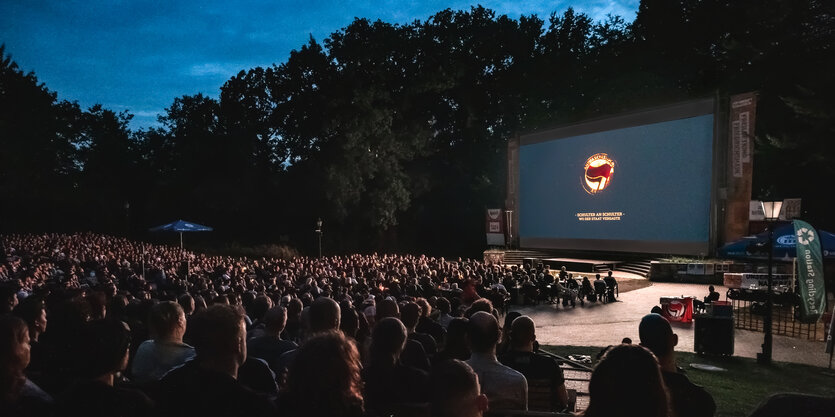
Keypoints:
pixel 387 341
pixel 33 312
pixel 455 391
pixel 8 298
pixel 350 321
pixel 443 305
pixel 657 335
pixel 104 348
pixel 167 321
pixel 275 320
pixel 626 341
pixel 410 315
pixel 387 308
pixel 627 381
pixel 523 333
pixel 482 304
pixel 324 315
pixel 711 288
pixel 14 357
pixel 259 306
pixel 186 301
pixel 294 308
pixel 484 332
pixel 508 322
pixel 457 338
pixel 596 276
pixel 325 378
pixel 425 307
pixel 218 333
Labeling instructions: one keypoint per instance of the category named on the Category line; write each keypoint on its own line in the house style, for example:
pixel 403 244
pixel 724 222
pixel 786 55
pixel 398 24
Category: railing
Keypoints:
pixel 749 309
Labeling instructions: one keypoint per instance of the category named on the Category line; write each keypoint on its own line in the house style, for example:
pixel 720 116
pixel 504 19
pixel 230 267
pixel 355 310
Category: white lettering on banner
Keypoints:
pixel 810 283
pixel 745 136
pixel 742 103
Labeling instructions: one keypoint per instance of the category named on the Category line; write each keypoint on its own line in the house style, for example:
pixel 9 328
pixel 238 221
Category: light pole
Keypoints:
pixel 771 210
pixel 319 234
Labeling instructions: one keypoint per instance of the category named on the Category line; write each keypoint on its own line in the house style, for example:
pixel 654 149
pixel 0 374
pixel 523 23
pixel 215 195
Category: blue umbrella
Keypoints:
pixel 756 247
pixel 181 226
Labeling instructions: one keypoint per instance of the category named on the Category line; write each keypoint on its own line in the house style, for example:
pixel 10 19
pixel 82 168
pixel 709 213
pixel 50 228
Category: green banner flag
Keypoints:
pixel 810 272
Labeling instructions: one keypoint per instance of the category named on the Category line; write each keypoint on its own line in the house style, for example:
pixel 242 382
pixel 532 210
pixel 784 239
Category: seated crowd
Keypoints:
pixel 132 333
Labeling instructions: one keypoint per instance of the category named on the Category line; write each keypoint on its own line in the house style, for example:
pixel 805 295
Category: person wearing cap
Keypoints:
pixel 687 398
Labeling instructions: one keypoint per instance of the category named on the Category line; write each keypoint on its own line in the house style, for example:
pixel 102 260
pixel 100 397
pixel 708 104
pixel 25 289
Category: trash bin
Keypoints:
pixel 714 335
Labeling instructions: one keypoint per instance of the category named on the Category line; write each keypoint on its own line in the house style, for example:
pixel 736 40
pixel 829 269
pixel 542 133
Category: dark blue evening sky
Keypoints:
pixel 139 55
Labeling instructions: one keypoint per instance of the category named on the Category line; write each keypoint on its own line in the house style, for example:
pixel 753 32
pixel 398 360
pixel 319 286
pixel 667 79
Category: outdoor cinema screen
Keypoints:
pixel 639 182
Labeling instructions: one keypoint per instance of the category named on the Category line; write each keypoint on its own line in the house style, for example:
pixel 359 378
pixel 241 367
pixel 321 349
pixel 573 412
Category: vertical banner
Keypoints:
pixel 495 227
pixel 738 163
pixel 742 120
pixel 810 266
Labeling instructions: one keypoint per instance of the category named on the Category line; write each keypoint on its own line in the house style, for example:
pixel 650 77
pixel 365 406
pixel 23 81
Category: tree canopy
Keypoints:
pixel 396 134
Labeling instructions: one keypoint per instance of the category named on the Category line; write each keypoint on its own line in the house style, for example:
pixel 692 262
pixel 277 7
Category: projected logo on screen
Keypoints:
pixel 598 173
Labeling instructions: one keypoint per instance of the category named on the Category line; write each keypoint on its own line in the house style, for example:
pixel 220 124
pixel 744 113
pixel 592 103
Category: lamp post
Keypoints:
pixel 319 234
pixel 771 210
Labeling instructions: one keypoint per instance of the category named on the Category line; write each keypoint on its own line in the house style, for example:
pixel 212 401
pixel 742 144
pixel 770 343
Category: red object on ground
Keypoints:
pixel 678 309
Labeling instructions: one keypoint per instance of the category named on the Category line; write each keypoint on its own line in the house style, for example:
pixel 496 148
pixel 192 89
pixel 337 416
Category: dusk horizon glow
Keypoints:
pixel 138 57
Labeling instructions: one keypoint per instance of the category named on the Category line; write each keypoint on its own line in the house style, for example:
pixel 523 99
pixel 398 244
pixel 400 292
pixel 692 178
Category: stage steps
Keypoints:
pixel 641 267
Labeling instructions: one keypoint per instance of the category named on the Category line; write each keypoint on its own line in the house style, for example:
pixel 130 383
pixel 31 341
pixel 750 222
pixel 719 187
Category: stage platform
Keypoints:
pixel 581 265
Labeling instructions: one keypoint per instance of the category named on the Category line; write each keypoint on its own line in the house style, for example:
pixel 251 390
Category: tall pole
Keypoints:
pixel 765 357
pixel 771 212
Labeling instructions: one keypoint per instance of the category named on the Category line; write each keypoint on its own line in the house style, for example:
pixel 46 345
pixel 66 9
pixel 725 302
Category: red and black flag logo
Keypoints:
pixel 599 170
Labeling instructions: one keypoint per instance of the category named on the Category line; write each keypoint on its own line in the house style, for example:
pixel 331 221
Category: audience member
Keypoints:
pixel 410 314
pixel 427 324
pixel 457 341
pixel 546 382
pixel 103 355
pixel 505 387
pixel 208 385
pixel 18 395
pixel 627 382
pixel 324 380
pixel 687 399
pixel 165 350
pixel 389 383
pixel 270 346
pixel 455 391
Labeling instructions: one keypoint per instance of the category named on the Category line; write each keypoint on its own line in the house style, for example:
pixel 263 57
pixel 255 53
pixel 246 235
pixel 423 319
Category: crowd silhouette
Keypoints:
pixel 103 326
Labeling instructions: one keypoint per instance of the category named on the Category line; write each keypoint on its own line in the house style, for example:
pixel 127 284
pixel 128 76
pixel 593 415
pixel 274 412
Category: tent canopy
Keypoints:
pixel 756 247
pixel 181 226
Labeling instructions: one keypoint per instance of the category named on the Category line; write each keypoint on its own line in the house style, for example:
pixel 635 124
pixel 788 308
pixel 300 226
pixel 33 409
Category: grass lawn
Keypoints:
pixel 745 383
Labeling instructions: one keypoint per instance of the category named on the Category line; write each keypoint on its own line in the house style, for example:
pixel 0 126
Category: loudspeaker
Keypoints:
pixel 714 335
